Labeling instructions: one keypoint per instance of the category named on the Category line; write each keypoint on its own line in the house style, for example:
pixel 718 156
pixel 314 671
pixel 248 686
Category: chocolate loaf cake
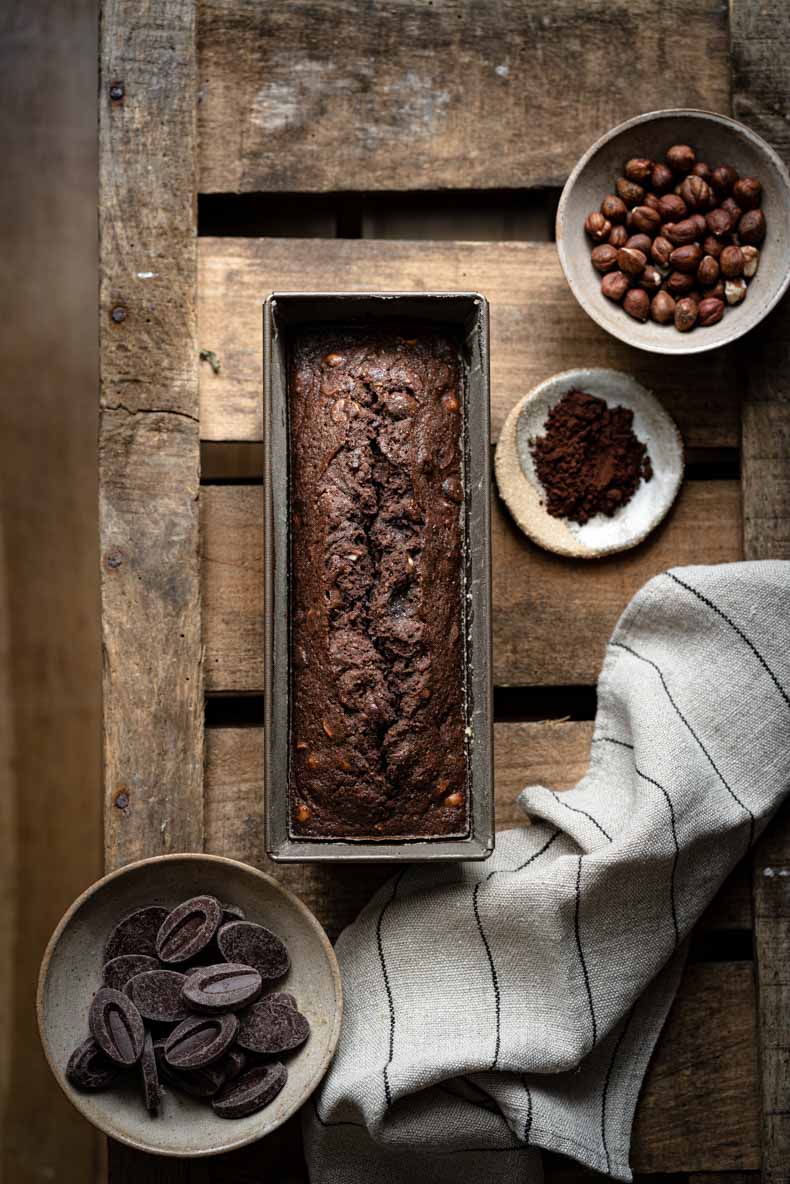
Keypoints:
pixel 377 727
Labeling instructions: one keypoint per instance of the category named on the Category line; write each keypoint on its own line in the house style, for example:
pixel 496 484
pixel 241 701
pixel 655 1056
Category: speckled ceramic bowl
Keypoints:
pixel 71 973
pixel 717 140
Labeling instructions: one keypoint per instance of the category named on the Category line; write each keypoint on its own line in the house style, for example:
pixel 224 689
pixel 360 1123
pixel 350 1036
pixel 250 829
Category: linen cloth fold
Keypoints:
pixel 493 1009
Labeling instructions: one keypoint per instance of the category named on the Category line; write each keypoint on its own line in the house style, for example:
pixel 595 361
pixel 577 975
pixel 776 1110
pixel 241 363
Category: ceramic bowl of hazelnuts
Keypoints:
pixel 673 231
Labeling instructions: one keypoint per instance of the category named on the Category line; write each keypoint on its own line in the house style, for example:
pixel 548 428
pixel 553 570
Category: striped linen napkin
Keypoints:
pixel 496 1008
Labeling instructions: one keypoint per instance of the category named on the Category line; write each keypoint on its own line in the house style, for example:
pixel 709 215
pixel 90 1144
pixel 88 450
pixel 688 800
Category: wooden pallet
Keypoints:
pixel 234 97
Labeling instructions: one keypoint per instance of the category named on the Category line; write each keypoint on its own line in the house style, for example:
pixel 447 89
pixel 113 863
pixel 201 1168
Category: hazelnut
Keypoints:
pixel 751 261
pixel 645 221
pixel 618 236
pixel 441 787
pixel 327 729
pixel 748 193
pixel 680 283
pixel 696 193
pixel 661 250
pixel 722 180
pixel 631 193
pixel 614 285
pixel 733 209
pixel 652 201
pixel 638 169
pixel 597 226
pixel 672 208
pixel 450 403
pixel 731 263
pixel 683 232
pixel 701 169
pixel 650 279
pixel 717 290
pixel 334 360
pixel 631 261
pixel 681 158
pixel 712 246
pixel 686 258
pixel 735 290
pixel 751 228
pixel 708 271
pixel 604 257
pixel 640 242
pixel 685 314
pixel 312 761
pixel 302 813
pixel 719 222
pixel 662 308
pixel 661 178
pixel 613 208
pixel 637 304
pixel 700 223
pixel 710 310
pixel 301 745
pixel 453 800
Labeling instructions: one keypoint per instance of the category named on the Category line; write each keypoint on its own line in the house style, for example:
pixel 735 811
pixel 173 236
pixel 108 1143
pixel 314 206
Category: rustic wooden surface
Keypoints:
pixel 148 447
pixel 305 95
pixel 552 617
pixel 149 452
pixel 529 303
pixel 761 73
pixel 50 666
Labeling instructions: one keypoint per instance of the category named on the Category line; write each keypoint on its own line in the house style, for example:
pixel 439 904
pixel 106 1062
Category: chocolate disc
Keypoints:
pixel 188 929
pixel 119 971
pixel 254 945
pixel 227 986
pixel 157 995
pixel 152 1093
pixel 89 1068
pixel 117 1026
pixel 251 1092
pixel 198 1083
pixel 232 912
pixel 273 1025
pixel 234 1063
pixel 136 933
pixel 200 1041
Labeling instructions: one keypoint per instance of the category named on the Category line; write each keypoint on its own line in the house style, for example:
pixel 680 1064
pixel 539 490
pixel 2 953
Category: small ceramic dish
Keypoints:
pixel 521 489
pixel 71 972
pixel 717 140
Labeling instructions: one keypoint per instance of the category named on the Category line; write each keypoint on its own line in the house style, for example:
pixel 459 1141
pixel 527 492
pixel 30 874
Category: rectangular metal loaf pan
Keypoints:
pixel 466 314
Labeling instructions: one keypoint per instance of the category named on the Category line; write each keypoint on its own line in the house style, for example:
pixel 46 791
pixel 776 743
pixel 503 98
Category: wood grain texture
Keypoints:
pixel 760 36
pixel 552 616
pixel 50 664
pixel 322 95
pixel 149 447
pixel 529 304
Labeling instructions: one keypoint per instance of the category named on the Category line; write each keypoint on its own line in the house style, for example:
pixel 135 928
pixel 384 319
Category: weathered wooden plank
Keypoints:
pixel 699 1109
pixel 530 304
pixel 760 35
pixel 323 95
pixel 149 445
pixel 552 617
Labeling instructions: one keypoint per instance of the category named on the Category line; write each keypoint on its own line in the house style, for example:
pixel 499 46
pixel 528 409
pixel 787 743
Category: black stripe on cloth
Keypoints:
pixel 387 986
pixel 494 977
pixel 605 1093
pixel 613 740
pixel 668 800
pixel 528 1120
pixel 535 856
pixel 738 630
pixel 577 930
pixel 641 657
pixel 577 810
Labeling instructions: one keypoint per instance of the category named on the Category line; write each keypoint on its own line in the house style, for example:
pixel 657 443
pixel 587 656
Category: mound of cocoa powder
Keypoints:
pixel 589 461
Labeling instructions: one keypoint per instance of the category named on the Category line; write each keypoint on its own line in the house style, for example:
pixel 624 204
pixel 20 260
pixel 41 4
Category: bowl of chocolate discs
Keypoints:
pixel 673 231
pixel 188 1004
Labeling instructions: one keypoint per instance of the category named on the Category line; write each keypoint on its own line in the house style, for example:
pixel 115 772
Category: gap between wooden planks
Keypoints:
pixel 552 617
pixel 537 328
pixel 705 1060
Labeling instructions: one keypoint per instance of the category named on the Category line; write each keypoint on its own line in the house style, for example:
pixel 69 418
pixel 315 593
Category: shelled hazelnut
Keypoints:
pixel 678 240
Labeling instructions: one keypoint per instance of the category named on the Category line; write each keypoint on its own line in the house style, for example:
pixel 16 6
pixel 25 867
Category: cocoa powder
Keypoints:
pixel 589 461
